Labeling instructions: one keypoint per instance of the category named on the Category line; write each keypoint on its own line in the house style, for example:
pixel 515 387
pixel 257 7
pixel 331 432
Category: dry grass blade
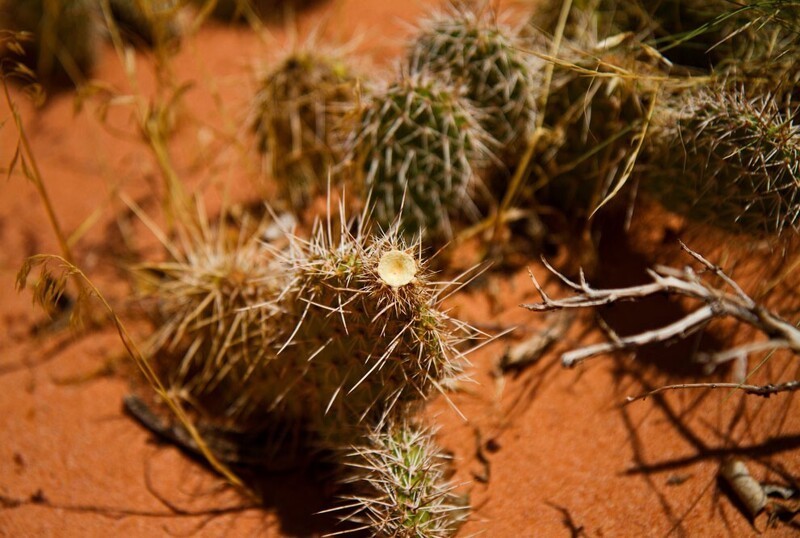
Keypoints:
pixel 67 270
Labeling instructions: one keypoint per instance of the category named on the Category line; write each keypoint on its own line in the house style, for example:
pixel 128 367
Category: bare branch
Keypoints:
pixel 730 301
pixel 759 390
pixel 681 328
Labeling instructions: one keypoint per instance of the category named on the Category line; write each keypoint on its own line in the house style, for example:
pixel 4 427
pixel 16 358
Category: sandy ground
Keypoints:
pixel 544 452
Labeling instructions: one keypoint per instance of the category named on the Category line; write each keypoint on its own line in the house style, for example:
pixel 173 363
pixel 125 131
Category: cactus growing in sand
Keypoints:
pixel 209 340
pixel 418 145
pixel 489 60
pixel 301 110
pixel 402 474
pixel 731 159
pixel 331 334
pixel 64 36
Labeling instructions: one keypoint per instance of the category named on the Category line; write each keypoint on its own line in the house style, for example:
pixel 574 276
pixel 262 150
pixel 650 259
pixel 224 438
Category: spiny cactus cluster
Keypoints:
pixel 737 124
pixel 301 113
pixel 465 103
pixel 329 332
pixel 210 340
pixel 402 474
pixel 419 145
pixel 489 60
pixel 741 163
pixel 332 337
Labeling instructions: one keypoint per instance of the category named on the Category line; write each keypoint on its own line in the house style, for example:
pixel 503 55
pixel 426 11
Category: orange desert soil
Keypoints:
pixel 543 452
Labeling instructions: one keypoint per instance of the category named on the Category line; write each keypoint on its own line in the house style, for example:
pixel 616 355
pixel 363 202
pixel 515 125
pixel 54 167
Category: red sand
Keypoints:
pixel 561 455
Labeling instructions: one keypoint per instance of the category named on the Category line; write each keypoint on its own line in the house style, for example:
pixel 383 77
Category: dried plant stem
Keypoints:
pixel 32 172
pixel 758 390
pixel 178 205
pixel 533 142
pixel 717 303
pixel 71 270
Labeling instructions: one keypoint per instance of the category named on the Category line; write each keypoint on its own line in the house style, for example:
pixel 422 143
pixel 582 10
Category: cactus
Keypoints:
pixel 330 335
pixel 300 116
pixel 740 164
pixel 209 341
pixel 488 59
pixel 419 144
pixel 755 42
pixel 403 476
pixel 64 36
pixel 368 339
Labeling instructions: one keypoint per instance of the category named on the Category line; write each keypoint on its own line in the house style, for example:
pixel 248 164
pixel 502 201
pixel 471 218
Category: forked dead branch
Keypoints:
pixel 717 301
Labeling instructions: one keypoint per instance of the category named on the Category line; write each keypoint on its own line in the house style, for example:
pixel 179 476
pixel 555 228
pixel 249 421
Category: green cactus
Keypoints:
pixel 403 475
pixel 489 59
pixel 301 116
pixel 64 36
pixel 419 145
pixel 730 159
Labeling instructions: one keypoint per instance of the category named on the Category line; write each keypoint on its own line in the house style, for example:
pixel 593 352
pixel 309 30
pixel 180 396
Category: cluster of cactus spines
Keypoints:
pixel 365 338
pixel 739 166
pixel 331 334
pixel 64 36
pixel 488 59
pixel 301 112
pixel 211 341
pixel 404 491
pixel 419 144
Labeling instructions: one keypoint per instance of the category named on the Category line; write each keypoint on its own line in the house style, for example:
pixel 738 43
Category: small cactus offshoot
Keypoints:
pixel 489 60
pixel 418 145
pixel 300 114
pixel 403 477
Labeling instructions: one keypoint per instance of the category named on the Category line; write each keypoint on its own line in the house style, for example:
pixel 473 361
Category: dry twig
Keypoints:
pixel 717 302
